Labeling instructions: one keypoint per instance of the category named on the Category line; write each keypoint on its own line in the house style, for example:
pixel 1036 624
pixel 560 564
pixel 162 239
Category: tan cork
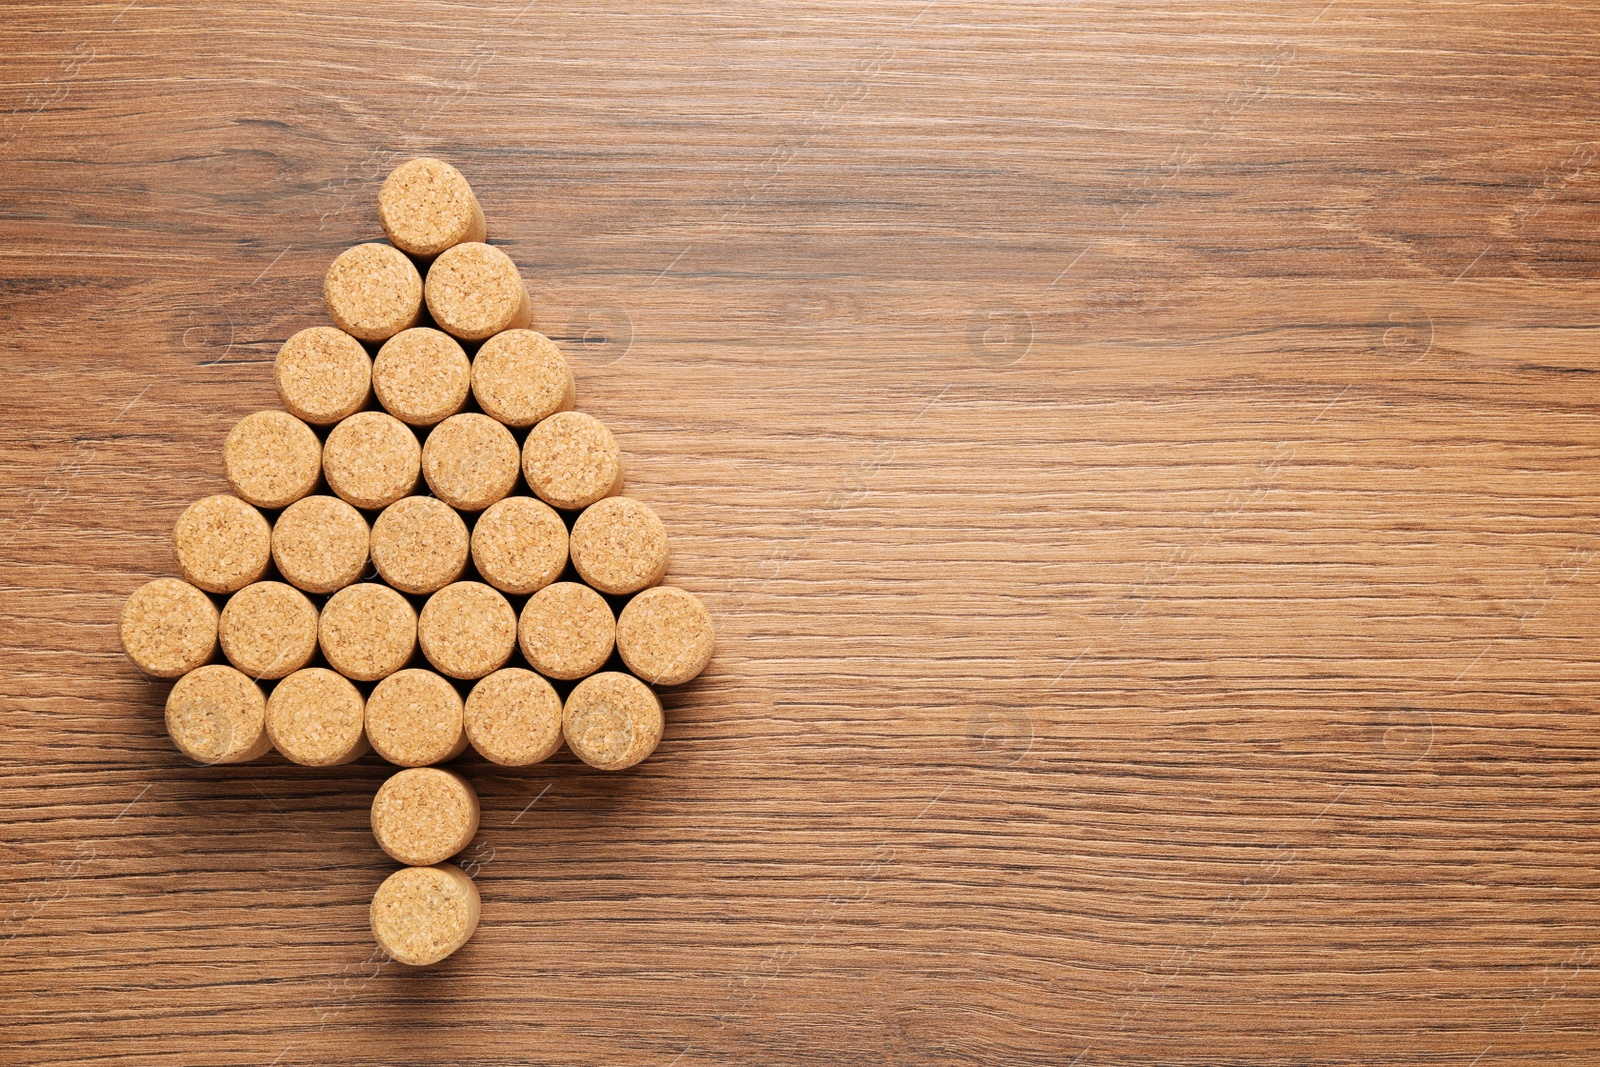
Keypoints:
pixel 371 459
pixel 470 461
pixel 519 545
pixel 513 718
pixel 426 206
pixel 421 376
pixel 373 292
pixel 567 631
pixel 467 630
pixel 420 915
pixel 520 377
pixel 169 628
pixel 320 544
pixel 217 715
pixel 619 545
pixel 424 815
pixel 368 631
pixel 268 630
pixel 664 635
pixel 475 292
pixel 420 544
pixel 323 375
pixel 612 721
pixel 222 544
pixel 317 719
pixel 571 460
pixel 414 719
pixel 271 459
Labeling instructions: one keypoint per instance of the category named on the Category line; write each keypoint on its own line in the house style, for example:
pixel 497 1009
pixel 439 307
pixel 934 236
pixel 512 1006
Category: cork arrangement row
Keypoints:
pixel 390 548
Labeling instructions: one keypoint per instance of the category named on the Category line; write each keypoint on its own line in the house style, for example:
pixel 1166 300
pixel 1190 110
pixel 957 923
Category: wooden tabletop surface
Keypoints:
pixel 1141 459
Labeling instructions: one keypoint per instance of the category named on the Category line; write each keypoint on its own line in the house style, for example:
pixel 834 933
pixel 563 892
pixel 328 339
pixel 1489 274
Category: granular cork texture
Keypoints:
pixel 271 459
pixel 426 206
pixel 323 375
pixel 317 718
pixel 371 459
pixel 420 915
pixel 414 719
pixel 420 544
pixel 268 630
pixel 513 718
pixel 612 721
pixel 217 715
pixel 567 631
pixel 664 635
pixel 368 631
pixel 467 630
pixel 619 545
pixel 421 376
pixel 223 544
pixel 373 292
pixel 169 628
pixel 571 460
pixel 424 815
pixel 519 377
pixel 519 545
pixel 320 544
pixel 475 292
pixel 470 461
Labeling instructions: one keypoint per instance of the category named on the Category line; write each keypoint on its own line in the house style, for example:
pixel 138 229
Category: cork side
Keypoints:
pixel 513 718
pixel 426 206
pixel 371 459
pixel 271 459
pixel 420 544
pixel 373 292
pixel 571 460
pixel 268 630
pixel 612 721
pixel 420 915
pixel 414 719
pixel 421 376
pixel 320 544
pixel 566 631
pixel 222 544
pixel 467 630
pixel 217 715
pixel 519 545
pixel 664 635
pixel 368 631
pixel 619 545
pixel 322 375
pixel 470 461
pixel 475 292
pixel 424 815
pixel 317 718
pixel 520 377
pixel 169 628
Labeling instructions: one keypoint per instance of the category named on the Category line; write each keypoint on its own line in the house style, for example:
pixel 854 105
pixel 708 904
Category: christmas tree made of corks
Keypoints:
pixel 355 537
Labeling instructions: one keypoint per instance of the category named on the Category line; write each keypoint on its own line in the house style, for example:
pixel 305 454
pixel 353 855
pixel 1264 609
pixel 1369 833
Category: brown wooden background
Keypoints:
pixel 1141 458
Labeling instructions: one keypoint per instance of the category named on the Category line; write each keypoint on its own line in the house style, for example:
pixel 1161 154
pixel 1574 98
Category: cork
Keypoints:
pixel 426 206
pixel 519 377
pixel 419 544
pixel 513 718
pixel 371 459
pixel 619 545
pixel 571 460
pixel 420 915
pixel 268 630
pixel 612 721
pixel 664 635
pixel 470 461
pixel 317 719
pixel 566 631
pixel 475 292
pixel 169 628
pixel 424 815
pixel 519 545
pixel 217 715
pixel 467 630
pixel 320 544
pixel 271 459
pixel 414 719
pixel 323 375
pixel 222 544
pixel 373 292
pixel 368 631
pixel 421 376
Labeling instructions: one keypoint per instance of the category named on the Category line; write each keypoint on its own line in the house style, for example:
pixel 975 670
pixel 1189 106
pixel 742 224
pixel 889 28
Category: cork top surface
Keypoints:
pixel 421 376
pixel 373 292
pixel 425 206
pixel 424 815
pixel 619 545
pixel 268 629
pixel 217 715
pixel 467 630
pixel 513 718
pixel 322 375
pixel 420 915
pixel 664 635
pixel 612 721
pixel 420 544
pixel 475 292
pixel 368 631
pixel 470 461
pixel 371 459
pixel 317 718
pixel 414 719
pixel 566 631
pixel 169 628
pixel 271 459
pixel 520 377
pixel 320 544
pixel 571 460
pixel 519 545
pixel 222 543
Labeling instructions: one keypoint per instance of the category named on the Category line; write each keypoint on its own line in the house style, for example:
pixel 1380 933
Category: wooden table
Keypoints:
pixel 1141 459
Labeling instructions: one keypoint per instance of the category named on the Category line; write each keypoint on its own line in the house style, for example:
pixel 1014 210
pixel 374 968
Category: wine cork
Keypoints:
pixel 470 461
pixel 368 631
pixel 426 206
pixel 217 715
pixel 268 630
pixel 519 377
pixel 513 718
pixel 612 721
pixel 317 719
pixel 519 545
pixel 664 635
pixel 323 375
pixel 475 292
pixel 222 544
pixel 619 545
pixel 421 376
pixel 420 544
pixel 571 460
pixel 424 815
pixel 169 628
pixel 271 459
pixel 320 544
pixel 371 459
pixel 566 631
pixel 467 630
pixel 420 915
pixel 373 292
pixel 414 719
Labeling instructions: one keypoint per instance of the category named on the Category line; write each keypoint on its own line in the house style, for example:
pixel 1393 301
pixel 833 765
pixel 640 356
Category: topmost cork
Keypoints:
pixel 426 206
